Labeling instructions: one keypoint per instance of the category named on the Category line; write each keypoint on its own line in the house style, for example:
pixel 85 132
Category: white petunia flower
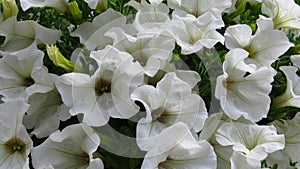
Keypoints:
pixel 150 17
pixel 150 50
pixel 23 74
pixel 198 7
pixel 45 112
pixel 15 143
pixel 242 89
pixel 264 47
pixel 192 34
pixel 105 93
pixel 22 35
pixel 61 5
pixel 291 96
pixel 285 13
pixel 175 147
pixel 251 143
pixel 92 34
pixel 291 131
pixel 169 103
pixel 73 147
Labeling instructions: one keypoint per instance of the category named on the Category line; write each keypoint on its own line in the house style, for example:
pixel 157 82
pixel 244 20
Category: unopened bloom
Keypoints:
pixel 10 8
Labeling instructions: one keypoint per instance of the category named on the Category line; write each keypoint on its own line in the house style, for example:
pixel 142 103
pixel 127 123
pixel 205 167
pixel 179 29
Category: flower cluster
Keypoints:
pixel 196 83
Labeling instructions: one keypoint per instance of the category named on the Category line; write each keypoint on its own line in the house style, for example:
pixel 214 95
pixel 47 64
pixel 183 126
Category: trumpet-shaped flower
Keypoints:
pixel 61 5
pixel 22 35
pixel 15 143
pixel 105 93
pixel 192 34
pixel 169 103
pixel 45 112
pixel 92 34
pixel 285 13
pixel 291 131
pixel 291 96
pixel 198 7
pixel 175 147
pixel 23 74
pixel 251 143
pixel 150 50
pixel 264 47
pixel 73 147
pixel 150 17
pixel 242 89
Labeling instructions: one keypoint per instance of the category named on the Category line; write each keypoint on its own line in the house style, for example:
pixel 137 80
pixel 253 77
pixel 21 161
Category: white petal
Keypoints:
pixel 72 147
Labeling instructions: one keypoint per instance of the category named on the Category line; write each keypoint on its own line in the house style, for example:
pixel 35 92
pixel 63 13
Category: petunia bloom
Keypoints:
pixel 175 147
pixel 192 34
pixel 264 47
pixel 105 93
pixel 14 139
pixel 291 130
pixel 284 13
pixel 23 74
pixel 151 50
pixel 251 143
pixel 199 7
pixel 244 90
pixel 170 102
pixel 150 17
pixel 25 35
pixel 73 147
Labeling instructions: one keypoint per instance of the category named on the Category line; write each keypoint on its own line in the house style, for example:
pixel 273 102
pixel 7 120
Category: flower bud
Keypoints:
pixel 10 8
pixel 58 59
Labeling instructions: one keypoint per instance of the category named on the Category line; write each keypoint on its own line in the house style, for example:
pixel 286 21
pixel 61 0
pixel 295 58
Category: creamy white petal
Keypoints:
pixel 241 94
pixel 92 34
pixel 44 113
pixel 254 141
pixel 21 35
pixel 177 148
pixel 291 131
pixel 23 74
pixel 192 34
pixel 291 96
pixel 71 148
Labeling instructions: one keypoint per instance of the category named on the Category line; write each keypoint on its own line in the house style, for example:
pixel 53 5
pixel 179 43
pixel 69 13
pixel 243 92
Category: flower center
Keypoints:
pixel 28 81
pixel 102 86
pixel 15 145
